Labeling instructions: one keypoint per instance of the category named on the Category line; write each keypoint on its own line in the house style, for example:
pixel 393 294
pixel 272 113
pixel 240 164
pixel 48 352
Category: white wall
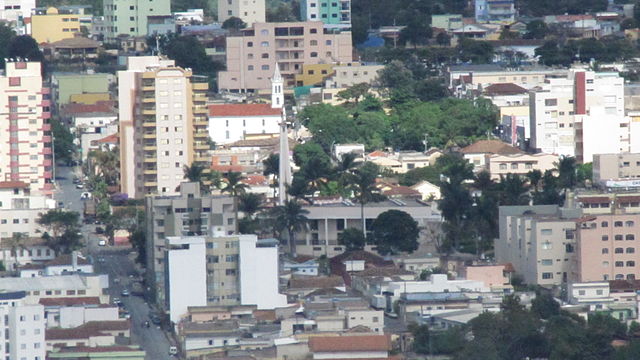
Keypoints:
pixel 203 342
pixel 187 264
pixel 259 278
pixel 74 316
pixel 224 130
pixel 26 326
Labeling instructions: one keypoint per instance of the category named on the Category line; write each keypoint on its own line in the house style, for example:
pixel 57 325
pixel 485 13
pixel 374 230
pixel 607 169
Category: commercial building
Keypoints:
pixel 232 122
pixel 568 115
pixel 65 85
pixel 68 313
pixel 539 241
pixel 495 11
pixel 163 125
pixel 129 17
pixel 58 286
pixel 334 14
pixel 328 218
pixel 190 213
pixel 520 164
pixel 26 152
pixel 608 168
pixel 252 54
pixel 23 327
pixel 223 271
pixel 249 11
pixel 447 22
pixel 52 25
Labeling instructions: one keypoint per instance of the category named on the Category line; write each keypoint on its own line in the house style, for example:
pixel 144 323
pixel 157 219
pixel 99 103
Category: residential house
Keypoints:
pixel 73 312
pixel 350 347
pixel 301 265
pixel 479 152
pixel 61 265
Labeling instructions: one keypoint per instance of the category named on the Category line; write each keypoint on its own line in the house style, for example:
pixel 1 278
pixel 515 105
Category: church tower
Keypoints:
pixel 277 93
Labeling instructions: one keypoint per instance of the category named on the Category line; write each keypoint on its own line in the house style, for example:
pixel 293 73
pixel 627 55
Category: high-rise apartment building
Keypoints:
pixel 222 270
pixel 163 125
pixel 568 115
pixel 333 13
pixel 130 17
pixel 26 152
pixel 252 55
pixel 190 213
pixel 23 326
pixel 249 11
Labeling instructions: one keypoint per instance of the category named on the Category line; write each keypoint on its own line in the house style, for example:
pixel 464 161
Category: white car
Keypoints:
pixel 79 186
pixel 85 195
pixel 102 243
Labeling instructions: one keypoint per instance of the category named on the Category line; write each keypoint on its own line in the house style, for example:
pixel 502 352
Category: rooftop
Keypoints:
pixel 59 282
pixel 89 329
pixel 77 42
pixel 350 343
pixel 490 147
pixel 66 302
pixel 320 282
pixel 242 110
pixel 504 89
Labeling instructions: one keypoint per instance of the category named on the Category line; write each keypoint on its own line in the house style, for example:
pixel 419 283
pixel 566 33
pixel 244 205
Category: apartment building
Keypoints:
pixel 448 22
pixel 568 115
pixel 249 11
pixel 332 13
pixel 58 286
pixel 23 327
pixel 130 17
pixel 607 239
pixel 495 11
pixel 26 152
pixel 52 25
pixel 519 164
pixel 252 54
pixel 612 169
pixel 346 75
pixel 539 241
pixel 328 218
pixel 190 213
pixel 19 209
pixel 16 10
pixel 223 271
pixel 163 125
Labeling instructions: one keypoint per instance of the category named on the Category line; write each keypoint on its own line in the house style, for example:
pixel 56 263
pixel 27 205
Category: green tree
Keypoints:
pixel 234 187
pixel 354 92
pixel 309 150
pixel 62 141
pixel 250 203
pixel 584 174
pixel 25 47
pixel 62 230
pixel 234 23
pixel 188 52
pixel 16 243
pixel 352 239
pixel 443 39
pixel 6 35
pixel 476 51
pixel 545 306
pixel 282 12
pixel 421 338
pixel 138 240
pixel 290 218
pixel 566 167
pixel 455 202
pixel 417 32
pixel 194 172
pixel 536 29
pixel 514 190
pixel 362 184
pixel 395 231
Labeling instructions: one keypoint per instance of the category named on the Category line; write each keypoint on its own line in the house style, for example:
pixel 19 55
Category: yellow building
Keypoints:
pixel 53 26
pixel 89 98
pixel 314 74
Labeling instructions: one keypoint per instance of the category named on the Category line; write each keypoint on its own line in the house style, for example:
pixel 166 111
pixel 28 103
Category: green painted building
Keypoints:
pixel 130 17
pixel 66 84
pixel 333 13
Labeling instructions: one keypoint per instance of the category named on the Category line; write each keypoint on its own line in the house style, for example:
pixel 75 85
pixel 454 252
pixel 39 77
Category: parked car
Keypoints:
pixel 173 350
pixel 102 243
pixel 99 230
pixel 125 292
pixel 80 186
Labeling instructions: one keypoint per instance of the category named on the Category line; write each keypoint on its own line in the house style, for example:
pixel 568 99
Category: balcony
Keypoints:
pixel 150 147
pixel 200 86
pixel 149 159
pixel 149 135
pixel 151 184
pixel 148 111
pixel 150 171
pixel 201 145
pixel 148 99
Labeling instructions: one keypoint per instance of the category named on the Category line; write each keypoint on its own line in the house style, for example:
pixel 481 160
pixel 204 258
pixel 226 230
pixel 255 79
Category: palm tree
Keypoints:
pixel 534 176
pixel 235 187
pixel 346 163
pixel 514 190
pixel 16 242
pixel 272 167
pixel 193 173
pixel 107 165
pixel 290 217
pixel 362 183
pixel 316 173
pixel 566 167
pixel 250 203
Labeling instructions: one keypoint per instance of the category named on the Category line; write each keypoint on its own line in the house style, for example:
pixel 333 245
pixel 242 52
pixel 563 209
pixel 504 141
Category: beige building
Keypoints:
pixel 252 55
pixel 250 11
pixel 163 125
pixel 347 75
pixel 26 152
pixel 623 166
pixel 186 214
pixel 520 164
pixel 539 241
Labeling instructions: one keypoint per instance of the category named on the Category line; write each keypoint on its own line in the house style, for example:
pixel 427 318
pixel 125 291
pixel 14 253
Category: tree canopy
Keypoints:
pixel 395 231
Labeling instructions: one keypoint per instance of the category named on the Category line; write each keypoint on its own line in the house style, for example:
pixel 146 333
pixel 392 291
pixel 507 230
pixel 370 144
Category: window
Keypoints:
pixel 581 292
pixel 264 44
pixel 629 237
pixel 547 275
pixel 618 237
pixel 514 166
pixel 619 263
pixel 605 237
pixel 264 55
pixel 14 81
pixel 604 224
pixel 631 263
pixel 503 166
pixel 547 245
pixel 314 54
pixel 313 43
pixel 546 232
pixel 605 250
pixel 617 224
pixel 631 250
pixel 264 32
pixel 250 68
pixel 250 44
pixel 265 67
pixel 313 31
pixel 605 264
pixel 619 251
pixel 249 56
pixel 547 262
pixel 628 223
pixel 230 272
pixel 550 102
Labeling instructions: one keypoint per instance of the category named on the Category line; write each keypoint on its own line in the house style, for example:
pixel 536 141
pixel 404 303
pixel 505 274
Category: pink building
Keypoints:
pixel 26 152
pixel 252 55
pixel 607 247
pixel 493 276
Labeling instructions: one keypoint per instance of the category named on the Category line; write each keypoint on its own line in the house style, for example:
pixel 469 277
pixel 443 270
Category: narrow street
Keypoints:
pixel 119 265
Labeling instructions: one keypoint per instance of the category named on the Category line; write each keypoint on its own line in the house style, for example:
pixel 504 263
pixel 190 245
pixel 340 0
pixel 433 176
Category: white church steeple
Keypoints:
pixel 277 93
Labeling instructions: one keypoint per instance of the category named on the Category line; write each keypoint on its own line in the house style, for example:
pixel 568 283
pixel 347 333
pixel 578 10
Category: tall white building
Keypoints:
pixel 16 10
pixel 185 256
pixel 568 115
pixel 250 11
pixel 26 152
pixel 23 328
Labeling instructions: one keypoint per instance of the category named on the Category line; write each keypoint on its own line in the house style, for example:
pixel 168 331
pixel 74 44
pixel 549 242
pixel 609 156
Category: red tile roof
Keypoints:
pixel 397 191
pixel 227 110
pixel 66 260
pixel 504 89
pixel 98 107
pixel 92 328
pixel 13 184
pixel 227 168
pixel 377 153
pixel 490 147
pixel 319 282
pixel 89 300
pixel 111 139
pixel 350 343
pixel 255 179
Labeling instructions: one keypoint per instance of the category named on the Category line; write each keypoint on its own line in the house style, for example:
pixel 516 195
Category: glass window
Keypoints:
pixel 605 237
pixel 628 223
pixel 619 263
pixel 604 224
pixel 619 251
pixel 547 275
pixel 605 250
pixel 629 237
pixel 631 263
pixel 617 224
pixel 547 262
pixel 618 237
pixel 631 250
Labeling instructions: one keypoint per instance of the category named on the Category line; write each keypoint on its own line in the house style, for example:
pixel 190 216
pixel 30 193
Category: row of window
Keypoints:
pixel 620 250
pixel 619 237
pixel 215 259
pixel 57 292
pixel 515 166
pixel 39 252
pixel 629 263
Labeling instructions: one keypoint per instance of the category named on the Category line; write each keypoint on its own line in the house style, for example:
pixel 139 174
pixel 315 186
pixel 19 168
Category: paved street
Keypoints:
pixel 118 264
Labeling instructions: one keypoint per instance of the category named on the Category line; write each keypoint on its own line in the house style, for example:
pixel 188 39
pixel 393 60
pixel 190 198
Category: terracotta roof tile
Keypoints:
pixel 401 191
pixel 504 89
pixel 92 328
pixel 77 42
pixel 255 179
pixel 383 271
pixel 490 147
pixel 89 300
pixel 98 107
pixel 110 139
pixel 232 110
pixel 321 282
pixel 66 260
pixel 13 184
pixel 350 343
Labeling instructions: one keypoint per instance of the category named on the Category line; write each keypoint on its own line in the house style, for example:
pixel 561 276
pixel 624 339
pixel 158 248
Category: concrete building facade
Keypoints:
pixel 16 10
pixel 623 166
pixel 163 125
pixel 495 11
pixel 333 13
pixel 23 327
pixel 249 11
pixel 52 25
pixel 251 55
pixel 130 17
pixel 26 152
pixel 190 213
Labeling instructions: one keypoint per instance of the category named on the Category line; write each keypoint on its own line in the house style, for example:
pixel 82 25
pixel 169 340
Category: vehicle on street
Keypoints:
pixel 99 230
pixel 146 324
pixel 102 243
pixel 155 320
pixel 116 301
pixel 173 350
pixel 126 315
pixel 77 181
pixel 85 195
pixel 60 204
pixel 125 292
pixel 101 260
pixel 79 186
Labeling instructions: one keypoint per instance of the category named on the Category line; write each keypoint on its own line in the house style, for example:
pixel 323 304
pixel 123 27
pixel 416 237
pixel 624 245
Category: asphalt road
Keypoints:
pixel 119 265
